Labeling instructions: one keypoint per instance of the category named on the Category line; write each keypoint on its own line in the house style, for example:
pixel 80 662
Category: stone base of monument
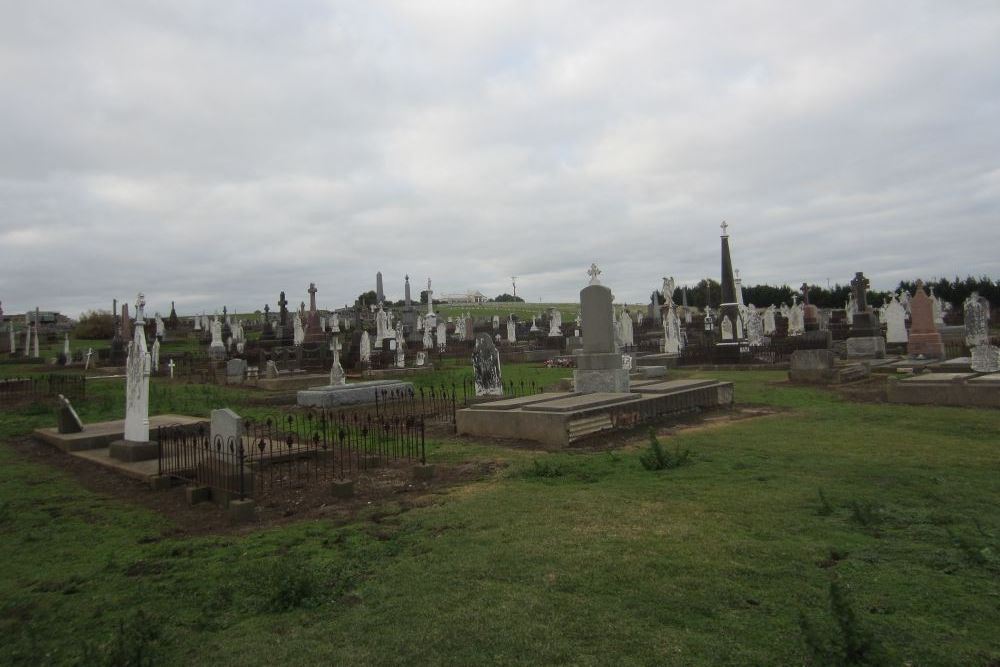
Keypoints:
pixel 290 380
pixel 217 353
pixel 928 345
pixel 866 347
pixel 559 419
pixel 99 435
pixel 600 372
pixel 130 451
pixel 952 389
pixel 348 394
pixel 591 381
pixel 823 367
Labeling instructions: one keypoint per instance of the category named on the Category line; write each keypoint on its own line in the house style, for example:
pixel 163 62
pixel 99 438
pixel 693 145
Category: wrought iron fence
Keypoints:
pixel 288 451
pixel 16 390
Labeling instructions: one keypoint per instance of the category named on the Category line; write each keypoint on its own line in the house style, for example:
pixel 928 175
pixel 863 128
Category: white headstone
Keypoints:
pixel 13 338
pixel 442 336
pixel 155 355
pixel 671 330
pixel 336 370
pixel 90 353
pixel 137 368
pixel 197 323
pixel 66 352
pixel 895 320
pixel 511 330
pixel 400 349
pixel 366 348
pixel 421 358
pixel 171 366
pixel 770 326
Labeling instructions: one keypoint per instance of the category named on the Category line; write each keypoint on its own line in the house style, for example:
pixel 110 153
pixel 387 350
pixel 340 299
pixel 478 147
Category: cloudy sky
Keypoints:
pixel 217 152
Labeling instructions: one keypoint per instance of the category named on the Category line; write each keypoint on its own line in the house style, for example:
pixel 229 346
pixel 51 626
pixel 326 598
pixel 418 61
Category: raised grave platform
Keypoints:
pixel 292 381
pixel 100 435
pixel 951 389
pixel 558 419
pixel 354 393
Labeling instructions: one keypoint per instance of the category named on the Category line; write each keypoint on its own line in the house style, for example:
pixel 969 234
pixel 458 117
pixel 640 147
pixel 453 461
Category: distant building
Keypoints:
pixel 472 296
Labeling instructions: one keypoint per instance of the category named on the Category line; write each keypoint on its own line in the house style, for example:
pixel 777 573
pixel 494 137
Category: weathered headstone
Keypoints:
pixel 486 366
pixel 217 349
pixel 985 357
pixel 226 428
pixel 67 419
pixel 236 371
pixel 442 336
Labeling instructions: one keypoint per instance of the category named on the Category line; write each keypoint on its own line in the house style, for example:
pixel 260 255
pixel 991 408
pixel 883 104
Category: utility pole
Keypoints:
pixel 513 282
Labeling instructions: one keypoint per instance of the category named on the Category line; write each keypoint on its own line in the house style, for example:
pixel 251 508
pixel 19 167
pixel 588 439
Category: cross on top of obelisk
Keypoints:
pixel 725 226
pixel 593 273
pixel 312 297
pixel 140 307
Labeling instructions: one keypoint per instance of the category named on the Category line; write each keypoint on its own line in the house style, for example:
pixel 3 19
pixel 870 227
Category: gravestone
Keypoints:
pixel 671 330
pixel 336 369
pixel 216 349
pixel 271 370
pixel 486 366
pixel 365 348
pixel 511 330
pixel 985 357
pixel 865 339
pixel 136 445
pixel 421 358
pixel 925 340
pixel 895 321
pixel 599 363
pixel 226 427
pixel 442 336
pixel 236 371
pixel 66 418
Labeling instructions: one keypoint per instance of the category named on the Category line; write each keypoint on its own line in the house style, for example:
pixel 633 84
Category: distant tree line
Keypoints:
pixel 953 291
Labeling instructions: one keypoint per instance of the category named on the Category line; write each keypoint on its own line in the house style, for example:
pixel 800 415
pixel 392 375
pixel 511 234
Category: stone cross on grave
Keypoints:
pixel 171 367
pixel 282 309
pixel 805 294
pixel 593 273
pixel 267 312
pixel 859 287
pixel 312 297
pixel 90 353
pixel 724 226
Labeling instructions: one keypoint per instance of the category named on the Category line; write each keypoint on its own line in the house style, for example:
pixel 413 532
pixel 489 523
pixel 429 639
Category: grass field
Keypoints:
pixel 581 557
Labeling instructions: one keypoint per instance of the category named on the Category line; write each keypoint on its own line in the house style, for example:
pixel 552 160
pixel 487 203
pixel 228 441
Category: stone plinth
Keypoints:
pixel 866 347
pixel 348 394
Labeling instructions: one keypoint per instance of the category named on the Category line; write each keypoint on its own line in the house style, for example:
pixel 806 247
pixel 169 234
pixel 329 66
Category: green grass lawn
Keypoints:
pixel 581 557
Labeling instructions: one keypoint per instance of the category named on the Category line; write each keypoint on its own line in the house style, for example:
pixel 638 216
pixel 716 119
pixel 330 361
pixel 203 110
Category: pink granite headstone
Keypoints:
pixel 924 337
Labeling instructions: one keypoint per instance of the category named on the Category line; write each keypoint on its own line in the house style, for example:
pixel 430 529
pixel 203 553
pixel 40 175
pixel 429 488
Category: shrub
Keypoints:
pixel 657 458
pixel 95 324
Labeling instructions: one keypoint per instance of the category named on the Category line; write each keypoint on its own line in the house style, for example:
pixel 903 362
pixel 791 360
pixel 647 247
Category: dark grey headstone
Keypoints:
pixel 486 365
pixel 598 319
pixel 67 419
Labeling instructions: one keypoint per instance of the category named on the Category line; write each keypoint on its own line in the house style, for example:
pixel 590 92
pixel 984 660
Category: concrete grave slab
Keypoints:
pixel 520 401
pixel 101 434
pixel 582 402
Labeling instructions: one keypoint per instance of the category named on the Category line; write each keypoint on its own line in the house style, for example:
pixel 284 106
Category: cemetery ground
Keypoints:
pixel 802 519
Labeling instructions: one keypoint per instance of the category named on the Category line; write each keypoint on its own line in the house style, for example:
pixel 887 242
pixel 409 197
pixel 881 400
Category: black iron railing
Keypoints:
pixel 288 451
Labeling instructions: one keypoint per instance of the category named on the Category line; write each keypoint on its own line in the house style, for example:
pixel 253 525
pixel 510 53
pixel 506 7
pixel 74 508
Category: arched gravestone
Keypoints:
pixel 599 365
pixel 486 365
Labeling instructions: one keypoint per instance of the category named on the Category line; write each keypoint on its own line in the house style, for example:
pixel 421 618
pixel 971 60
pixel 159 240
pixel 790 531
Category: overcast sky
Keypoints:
pixel 218 152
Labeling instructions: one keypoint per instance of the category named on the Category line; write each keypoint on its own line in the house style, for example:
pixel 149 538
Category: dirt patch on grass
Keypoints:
pixel 374 488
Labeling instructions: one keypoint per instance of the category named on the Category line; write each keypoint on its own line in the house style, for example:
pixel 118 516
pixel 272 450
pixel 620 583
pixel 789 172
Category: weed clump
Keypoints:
pixel 657 458
pixel 136 643
pixel 545 470
pixel 848 644
pixel 825 508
